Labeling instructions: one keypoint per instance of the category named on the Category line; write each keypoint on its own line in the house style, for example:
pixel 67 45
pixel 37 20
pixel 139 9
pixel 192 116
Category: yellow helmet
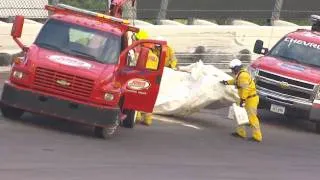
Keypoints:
pixel 142 34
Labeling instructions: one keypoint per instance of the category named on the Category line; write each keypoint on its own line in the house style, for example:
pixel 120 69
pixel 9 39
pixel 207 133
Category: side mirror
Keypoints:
pixel 258 46
pixel 17 27
pixel 259 49
pixel 142 59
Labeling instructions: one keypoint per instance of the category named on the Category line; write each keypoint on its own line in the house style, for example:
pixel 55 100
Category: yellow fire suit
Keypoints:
pixel 171 60
pixel 247 92
pixel 152 63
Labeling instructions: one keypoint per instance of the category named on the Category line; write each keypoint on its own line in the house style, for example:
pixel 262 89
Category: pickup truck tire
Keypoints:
pixel 11 112
pixel 106 132
pixel 130 120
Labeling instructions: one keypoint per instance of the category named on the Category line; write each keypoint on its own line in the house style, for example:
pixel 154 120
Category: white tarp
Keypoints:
pixel 183 93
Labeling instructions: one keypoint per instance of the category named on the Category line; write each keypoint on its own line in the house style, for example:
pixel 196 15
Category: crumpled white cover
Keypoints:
pixel 196 86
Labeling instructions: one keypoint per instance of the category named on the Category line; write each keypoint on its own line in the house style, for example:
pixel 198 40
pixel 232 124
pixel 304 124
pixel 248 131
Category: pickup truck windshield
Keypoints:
pixel 298 51
pixel 80 41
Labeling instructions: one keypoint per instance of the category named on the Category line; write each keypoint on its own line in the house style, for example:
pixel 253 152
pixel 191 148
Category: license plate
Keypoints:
pixel 277 109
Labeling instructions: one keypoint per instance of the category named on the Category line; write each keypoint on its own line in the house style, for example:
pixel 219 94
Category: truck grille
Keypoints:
pixel 283 91
pixel 281 78
pixel 62 83
pixel 273 81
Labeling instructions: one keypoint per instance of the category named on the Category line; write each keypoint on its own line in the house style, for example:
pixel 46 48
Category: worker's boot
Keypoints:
pixel 147 119
pixel 256 135
pixel 256 130
pixel 139 117
pixel 240 132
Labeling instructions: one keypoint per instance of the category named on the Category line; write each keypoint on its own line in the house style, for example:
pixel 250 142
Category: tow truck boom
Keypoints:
pixel 116 7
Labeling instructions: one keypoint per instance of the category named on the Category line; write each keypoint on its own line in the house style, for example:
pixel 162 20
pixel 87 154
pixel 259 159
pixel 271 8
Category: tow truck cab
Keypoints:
pixel 81 68
pixel 288 76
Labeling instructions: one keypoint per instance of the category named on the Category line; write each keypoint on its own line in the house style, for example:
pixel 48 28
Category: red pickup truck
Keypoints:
pixel 81 68
pixel 288 75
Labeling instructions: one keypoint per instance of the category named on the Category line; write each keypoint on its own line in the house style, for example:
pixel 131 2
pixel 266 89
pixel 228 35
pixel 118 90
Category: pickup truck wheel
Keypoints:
pixel 11 112
pixel 106 132
pixel 130 120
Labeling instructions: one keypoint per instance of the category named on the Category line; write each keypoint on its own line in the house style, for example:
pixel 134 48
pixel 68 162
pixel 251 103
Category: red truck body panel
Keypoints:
pixel 290 69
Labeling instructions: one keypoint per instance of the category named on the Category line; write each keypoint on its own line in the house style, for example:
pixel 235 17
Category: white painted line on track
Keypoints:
pixel 191 126
pixel 175 121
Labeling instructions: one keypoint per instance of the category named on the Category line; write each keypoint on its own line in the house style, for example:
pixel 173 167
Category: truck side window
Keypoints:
pixel 132 58
pixel 150 51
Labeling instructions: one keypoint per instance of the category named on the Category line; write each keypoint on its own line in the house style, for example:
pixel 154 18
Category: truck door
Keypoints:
pixel 140 71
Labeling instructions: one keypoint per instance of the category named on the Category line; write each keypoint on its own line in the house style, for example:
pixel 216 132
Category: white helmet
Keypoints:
pixel 234 63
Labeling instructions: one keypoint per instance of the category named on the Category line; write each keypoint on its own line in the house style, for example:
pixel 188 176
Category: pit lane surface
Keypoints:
pixel 200 147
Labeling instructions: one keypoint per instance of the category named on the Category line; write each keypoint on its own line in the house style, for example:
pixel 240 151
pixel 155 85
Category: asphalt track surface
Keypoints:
pixel 197 147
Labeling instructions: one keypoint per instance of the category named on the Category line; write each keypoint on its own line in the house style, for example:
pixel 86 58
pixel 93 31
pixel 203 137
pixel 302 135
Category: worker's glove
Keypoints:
pixel 224 82
pixel 242 102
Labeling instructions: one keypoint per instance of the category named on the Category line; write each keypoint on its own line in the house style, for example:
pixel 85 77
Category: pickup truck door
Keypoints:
pixel 140 85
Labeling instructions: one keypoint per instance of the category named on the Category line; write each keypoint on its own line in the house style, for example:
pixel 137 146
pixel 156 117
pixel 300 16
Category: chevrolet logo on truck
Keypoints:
pixel 63 82
pixel 284 85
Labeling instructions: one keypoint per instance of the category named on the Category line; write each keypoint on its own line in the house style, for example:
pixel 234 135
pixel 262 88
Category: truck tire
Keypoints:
pixel 130 120
pixel 11 112
pixel 106 132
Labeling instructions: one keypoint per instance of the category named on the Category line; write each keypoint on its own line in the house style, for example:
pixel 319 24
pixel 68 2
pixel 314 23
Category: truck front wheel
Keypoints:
pixel 106 132
pixel 11 112
pixel 130 120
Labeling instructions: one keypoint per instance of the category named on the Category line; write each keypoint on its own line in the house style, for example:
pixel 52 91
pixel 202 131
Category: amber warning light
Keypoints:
pixel 70 9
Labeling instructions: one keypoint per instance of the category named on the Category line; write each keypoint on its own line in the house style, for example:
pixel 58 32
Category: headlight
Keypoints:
pixel 20 60
pixel 17 74
pixel 108 97
pixel 253 72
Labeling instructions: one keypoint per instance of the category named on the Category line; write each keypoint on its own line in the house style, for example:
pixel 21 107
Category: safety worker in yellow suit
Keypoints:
pixel 171 60
pixel 152 64
pixel 248 99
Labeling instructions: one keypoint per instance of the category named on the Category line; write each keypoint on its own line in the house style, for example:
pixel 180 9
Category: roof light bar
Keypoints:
pixel 64 7
pixel 315 18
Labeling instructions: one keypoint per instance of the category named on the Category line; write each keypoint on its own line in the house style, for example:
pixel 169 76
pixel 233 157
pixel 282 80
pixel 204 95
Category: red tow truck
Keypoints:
pixel 81 68
pixel 288 75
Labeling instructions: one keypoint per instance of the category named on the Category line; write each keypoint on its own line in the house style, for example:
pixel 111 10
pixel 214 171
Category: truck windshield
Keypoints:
pixel 80 41
pixel 298 51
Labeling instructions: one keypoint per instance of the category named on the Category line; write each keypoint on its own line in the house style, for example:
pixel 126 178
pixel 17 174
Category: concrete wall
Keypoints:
pixel 189 36
pixel 28 35
pixel 225 42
